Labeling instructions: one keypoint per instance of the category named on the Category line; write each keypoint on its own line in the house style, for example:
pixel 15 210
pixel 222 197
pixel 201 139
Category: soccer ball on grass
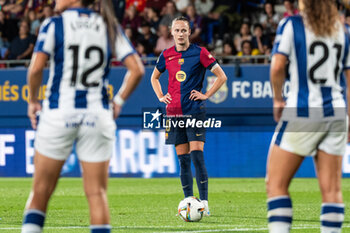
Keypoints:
pixel 191 209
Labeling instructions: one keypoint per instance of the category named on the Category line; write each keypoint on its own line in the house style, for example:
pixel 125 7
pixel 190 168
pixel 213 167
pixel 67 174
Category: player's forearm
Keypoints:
pixel 157 88
pixel 347 75
pixel 34 82
pixel 221 79
pixel 35 75
pixel 216 86
pixel 277 77
pixel 348 101
pixel 132 77
pixel 131 80
pixel 277 80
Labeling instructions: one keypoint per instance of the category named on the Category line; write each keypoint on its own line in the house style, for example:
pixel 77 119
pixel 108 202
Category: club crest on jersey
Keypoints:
pixel 221 95
pixel 181 61
pixel 180 76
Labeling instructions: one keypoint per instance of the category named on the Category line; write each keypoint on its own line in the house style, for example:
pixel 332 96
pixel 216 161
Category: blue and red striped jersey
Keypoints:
pixel 186 73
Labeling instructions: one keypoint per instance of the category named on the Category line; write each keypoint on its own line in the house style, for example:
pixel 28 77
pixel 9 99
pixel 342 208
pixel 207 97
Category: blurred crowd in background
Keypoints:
pixel 224 27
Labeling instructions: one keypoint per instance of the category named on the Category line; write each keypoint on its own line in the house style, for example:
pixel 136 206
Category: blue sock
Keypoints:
pixel 332 217
pixel 280 214
pixel 186 174
pixel 33 221
pixel 100 228
pixel 201 173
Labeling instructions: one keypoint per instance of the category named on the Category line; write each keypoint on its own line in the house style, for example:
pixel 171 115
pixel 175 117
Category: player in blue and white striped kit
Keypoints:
pixel 313 120
pixel 79 45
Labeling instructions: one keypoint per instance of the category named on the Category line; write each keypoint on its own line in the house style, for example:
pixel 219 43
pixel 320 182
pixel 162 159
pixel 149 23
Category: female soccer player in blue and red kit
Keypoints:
pixel 186 64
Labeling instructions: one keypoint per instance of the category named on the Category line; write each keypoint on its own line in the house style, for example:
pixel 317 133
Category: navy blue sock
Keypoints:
pixel 201 173
pixel 100 228
pixel 186 174
pixel 33 221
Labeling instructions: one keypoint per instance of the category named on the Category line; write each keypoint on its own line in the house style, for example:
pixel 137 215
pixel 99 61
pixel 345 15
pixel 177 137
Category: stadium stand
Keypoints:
pixel 216 25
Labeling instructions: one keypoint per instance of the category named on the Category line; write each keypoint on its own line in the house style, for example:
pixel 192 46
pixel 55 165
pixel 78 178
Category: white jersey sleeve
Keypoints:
pixel 46 38
pixel 123 46
pixel 284 38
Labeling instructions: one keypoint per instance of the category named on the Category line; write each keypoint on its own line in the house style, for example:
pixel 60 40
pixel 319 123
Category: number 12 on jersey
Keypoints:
pixel 88 52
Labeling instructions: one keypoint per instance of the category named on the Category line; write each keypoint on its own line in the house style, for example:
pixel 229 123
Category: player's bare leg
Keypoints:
pixel 47 172
pixel 182 149
pixel 197 156
pixel 196 145
pixel 281 167
pixel 329 173
pixel 95 177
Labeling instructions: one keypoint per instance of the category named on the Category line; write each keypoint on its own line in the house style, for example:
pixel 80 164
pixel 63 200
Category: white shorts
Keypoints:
pixel 306 138
pixel 93 133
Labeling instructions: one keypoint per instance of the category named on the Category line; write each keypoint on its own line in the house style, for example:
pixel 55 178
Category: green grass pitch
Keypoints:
pixel 150 205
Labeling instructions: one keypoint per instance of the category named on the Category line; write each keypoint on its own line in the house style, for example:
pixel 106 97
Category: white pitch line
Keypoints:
pixel 246 229
pixel 300 227
pixel 115 227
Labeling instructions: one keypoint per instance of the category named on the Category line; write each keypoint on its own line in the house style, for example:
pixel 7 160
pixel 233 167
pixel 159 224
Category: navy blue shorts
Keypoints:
pixel 179 133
